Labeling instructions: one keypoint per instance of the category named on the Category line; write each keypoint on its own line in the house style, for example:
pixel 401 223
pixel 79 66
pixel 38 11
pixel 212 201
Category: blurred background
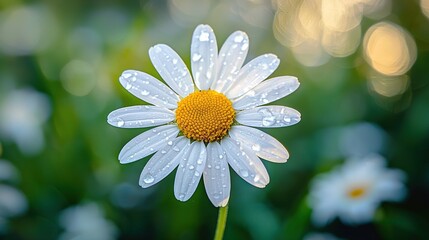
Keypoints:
pixel 363 68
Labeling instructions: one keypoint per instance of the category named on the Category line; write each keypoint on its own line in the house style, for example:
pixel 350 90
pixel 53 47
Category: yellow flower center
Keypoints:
pixel 356 192
pixel 205 116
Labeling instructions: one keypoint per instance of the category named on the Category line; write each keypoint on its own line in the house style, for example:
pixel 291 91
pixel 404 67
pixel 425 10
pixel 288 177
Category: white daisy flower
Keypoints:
pixel 207 121
pixel 354 190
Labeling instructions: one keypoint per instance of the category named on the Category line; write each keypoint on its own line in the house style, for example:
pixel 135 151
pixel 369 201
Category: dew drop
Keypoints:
pixel 244 173
pixel 163 151
pixel 127 75
pixel 256 178
pixel 196 57
pixel 238 38
pixel 175 61
pixel 175 148
pixel 216 195
pixel 181 196
pixel 204 37
pixel 268 121
pixel 170 143
pixel 144 93
pixel 217 167
pixel 287 119
pixel 245 46
pixel 191 167
pixel 197 174
pixel 256 147
pixel 128 86
pixel 220 156
pixel 148 179
pixel 120 122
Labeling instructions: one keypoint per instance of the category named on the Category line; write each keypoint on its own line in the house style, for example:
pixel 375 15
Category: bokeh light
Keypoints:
pixel 424 4
pixel 389 49
pixel 26 29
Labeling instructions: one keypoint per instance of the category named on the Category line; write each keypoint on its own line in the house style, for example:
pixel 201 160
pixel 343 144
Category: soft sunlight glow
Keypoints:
pixel 25 30
pixel 78 78
pixel 389 49
pixel 424 4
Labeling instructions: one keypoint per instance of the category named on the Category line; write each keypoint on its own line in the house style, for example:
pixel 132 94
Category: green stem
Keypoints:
pixel 221 222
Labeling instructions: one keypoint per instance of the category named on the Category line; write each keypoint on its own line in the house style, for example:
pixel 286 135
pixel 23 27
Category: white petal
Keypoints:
pixel 268 91
pixel 203 56
pixel 190 170
pixel 147 143
pixel 231 58
pixel 140 116
pixel 252 74
pixel 172 69
pixel 216 175
pixel 163 162
pixel 262 144
pixel 148 89
pixel 269 116
pixel 245 163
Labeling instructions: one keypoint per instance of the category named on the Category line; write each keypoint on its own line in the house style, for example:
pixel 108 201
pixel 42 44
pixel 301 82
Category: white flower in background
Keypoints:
pixel 354 190
pixel 22 114
pixel 208 120
pixel 320 236
pixel 86 222
pixel 12 201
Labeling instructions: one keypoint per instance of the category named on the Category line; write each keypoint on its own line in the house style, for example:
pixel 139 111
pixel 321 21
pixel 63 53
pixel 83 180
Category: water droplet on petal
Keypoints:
pixel 220 156
pixel 175 148
pixel 191 167
pixel 268 121
pixel 256 147
pixel 120 122
pixel 181 196
pixel 238 38
pixel 196 57
pixel 256 178
pixel 148 179
pixel 216 195
pixel 197 174
pixel 204 37
pixel 244 173
pixel 144 93
pixel 170 143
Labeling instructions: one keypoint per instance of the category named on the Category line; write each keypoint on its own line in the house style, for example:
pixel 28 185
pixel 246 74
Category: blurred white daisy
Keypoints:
pixel 86 221
pixel 12 201
pixel 22 115
pixel 207 120
pixel 354 190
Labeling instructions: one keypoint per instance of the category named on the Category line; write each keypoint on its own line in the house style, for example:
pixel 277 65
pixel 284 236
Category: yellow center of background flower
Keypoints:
pixel 205 116
pixel 356 192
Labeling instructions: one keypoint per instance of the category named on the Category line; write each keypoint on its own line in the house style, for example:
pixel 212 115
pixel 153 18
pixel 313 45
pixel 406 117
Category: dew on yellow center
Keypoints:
pixel 205 116
pixel 356 192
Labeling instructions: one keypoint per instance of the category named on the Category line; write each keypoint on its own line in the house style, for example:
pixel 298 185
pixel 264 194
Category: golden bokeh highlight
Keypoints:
pixel 318 30
pixel 389 49
pixel 424 5
pixel 388 86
